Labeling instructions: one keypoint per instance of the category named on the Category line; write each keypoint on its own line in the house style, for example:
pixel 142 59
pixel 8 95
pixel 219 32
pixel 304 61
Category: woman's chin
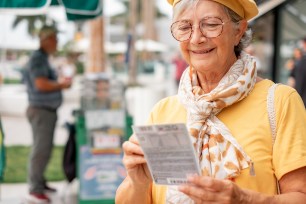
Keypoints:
pixel 202 66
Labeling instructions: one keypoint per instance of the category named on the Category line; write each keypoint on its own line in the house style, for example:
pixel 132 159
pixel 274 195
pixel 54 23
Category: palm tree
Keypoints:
pixel 132 62
pixel 33 22
pixel 148 17
pixel 96 53
pixel 96 61
pixel 148 11
pixel 123 18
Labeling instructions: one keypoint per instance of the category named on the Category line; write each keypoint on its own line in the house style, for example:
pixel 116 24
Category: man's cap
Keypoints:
pixel 47 31
pixel 246 9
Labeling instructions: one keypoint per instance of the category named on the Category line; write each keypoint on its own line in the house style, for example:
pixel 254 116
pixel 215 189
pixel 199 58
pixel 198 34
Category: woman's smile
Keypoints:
pixel 201 54
pixel 204 51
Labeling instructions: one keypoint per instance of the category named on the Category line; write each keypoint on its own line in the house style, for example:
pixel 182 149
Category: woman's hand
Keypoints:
pixel 204 189
pixel 135 163
pixel 137 185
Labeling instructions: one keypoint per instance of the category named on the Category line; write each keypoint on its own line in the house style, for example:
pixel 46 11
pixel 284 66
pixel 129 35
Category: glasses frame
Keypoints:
pixel 222 24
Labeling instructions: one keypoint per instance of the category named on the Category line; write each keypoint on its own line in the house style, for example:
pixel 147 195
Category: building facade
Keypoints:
pixel 277 30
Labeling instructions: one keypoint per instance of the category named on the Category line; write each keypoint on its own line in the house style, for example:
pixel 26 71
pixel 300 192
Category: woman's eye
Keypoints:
pixel 184 27
pixel 210 25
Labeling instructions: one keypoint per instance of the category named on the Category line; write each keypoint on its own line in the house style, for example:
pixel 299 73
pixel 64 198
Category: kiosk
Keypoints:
pixel 101 127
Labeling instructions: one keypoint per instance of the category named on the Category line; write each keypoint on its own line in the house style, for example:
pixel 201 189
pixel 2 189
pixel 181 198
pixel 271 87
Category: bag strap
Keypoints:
pixel 271 111
pixel 272 118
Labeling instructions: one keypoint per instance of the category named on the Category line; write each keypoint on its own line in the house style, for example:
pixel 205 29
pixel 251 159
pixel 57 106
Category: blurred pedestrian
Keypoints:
pixel 297 55
pixel 298 74
pixel 44 95
pixel 180 66
pixel 291 64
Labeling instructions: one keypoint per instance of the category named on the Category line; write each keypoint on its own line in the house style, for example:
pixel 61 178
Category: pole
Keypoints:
pixel 96 52
pixel 132 63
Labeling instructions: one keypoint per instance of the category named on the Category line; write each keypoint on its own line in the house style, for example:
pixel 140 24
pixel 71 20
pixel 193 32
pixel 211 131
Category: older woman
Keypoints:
pixel 224 104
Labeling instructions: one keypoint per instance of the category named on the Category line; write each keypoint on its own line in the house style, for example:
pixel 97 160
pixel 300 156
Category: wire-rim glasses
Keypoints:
pixel 210 27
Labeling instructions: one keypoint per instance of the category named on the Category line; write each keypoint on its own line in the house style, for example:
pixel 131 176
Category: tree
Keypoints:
pixel 96 53
pixel 34 23
pixel 149 12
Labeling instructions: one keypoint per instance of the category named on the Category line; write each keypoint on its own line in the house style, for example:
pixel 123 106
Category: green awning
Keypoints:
pixel 75 9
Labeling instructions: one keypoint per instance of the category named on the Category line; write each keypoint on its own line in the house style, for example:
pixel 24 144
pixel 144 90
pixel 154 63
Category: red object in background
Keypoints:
pixel 180 66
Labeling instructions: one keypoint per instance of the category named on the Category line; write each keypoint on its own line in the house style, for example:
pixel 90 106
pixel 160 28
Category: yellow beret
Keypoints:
pixel 245 8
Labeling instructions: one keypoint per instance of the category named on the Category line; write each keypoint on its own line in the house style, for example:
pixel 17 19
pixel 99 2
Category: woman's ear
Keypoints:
pixel 242 27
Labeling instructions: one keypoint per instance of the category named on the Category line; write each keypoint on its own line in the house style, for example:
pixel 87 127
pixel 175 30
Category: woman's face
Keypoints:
pixel 210 54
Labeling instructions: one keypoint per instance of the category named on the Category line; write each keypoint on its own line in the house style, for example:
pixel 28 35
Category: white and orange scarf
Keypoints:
pixel 220 156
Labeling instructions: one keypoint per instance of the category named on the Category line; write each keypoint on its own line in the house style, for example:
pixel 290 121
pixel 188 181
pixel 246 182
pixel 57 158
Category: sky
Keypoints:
pixel 18 37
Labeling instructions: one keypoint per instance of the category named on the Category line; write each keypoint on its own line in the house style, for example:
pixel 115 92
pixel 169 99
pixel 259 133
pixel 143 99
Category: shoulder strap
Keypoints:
pixel 272 119
pixel 271 110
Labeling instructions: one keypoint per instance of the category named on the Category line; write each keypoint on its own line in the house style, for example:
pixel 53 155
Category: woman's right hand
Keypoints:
pixel 135 163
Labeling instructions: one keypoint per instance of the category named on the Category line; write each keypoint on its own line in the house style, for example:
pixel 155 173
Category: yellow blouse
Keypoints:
pixel 249 123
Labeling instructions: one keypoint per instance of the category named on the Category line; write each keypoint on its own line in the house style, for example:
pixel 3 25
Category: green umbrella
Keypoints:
pixel 75 9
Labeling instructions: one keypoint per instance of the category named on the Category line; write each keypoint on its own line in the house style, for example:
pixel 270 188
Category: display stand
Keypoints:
pixel 101 127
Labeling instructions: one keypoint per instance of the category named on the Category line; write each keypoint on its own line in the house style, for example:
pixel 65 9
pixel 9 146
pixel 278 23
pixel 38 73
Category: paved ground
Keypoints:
pixel 17 132
pixel 17 193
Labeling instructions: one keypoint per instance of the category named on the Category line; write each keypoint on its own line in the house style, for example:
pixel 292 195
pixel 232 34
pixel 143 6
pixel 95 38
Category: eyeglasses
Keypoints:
pixel 210 27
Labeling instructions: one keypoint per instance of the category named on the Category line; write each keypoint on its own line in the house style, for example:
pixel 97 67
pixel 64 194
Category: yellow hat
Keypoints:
pixel 245 8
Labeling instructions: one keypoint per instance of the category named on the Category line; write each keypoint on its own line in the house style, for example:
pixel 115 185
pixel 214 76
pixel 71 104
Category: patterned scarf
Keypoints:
pixel 220 156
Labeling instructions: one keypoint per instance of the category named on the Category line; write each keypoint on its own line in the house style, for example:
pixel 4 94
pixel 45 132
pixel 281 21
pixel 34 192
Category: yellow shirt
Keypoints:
pixel 249 123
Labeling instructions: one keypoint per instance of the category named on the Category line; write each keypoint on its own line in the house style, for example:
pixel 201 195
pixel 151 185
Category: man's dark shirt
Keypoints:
pixel 39 66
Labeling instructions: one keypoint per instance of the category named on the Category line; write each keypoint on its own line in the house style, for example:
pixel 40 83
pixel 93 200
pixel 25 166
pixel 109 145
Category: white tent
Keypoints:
pixel 121 47
pixel 150 45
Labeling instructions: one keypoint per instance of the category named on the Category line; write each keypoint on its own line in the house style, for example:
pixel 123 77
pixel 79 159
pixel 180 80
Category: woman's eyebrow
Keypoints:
pixel 207 17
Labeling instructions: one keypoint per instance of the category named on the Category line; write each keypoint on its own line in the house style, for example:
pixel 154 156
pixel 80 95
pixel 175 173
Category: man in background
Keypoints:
pixel 298 74
pixel 44 95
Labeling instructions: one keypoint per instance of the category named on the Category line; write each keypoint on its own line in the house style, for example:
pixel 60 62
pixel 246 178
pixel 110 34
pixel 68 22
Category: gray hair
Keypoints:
pixel 46 31
pixel 182 6
pixel 245 40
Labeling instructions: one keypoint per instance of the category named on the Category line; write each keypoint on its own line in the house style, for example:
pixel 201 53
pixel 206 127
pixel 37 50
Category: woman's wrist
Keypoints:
pixel 142 187
pixel 253 197
pixel 130 192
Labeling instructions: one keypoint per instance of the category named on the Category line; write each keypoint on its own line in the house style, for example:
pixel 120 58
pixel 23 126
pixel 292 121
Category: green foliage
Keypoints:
pixel 17 160
pixel 32 22
pixel 11 81
pixel 79 67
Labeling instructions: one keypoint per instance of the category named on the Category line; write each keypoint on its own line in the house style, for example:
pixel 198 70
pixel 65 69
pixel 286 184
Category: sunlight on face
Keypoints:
pixel 50 43
pixel 209 54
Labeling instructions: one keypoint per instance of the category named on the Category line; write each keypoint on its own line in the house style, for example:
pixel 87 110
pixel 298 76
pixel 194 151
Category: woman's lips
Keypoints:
pixel 202 51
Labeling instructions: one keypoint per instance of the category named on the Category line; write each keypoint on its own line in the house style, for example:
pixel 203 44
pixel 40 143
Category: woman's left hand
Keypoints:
pixel 203 189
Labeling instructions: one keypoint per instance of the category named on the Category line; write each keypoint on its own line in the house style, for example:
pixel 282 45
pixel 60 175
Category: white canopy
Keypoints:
pixel 121 47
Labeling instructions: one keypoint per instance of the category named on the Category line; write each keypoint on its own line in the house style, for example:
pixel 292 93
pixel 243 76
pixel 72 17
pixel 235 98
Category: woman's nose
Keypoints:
pixel 197 36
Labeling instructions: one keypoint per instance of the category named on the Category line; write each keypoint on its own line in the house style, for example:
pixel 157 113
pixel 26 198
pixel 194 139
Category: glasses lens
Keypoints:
pixel 211 27
pixel 181 30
